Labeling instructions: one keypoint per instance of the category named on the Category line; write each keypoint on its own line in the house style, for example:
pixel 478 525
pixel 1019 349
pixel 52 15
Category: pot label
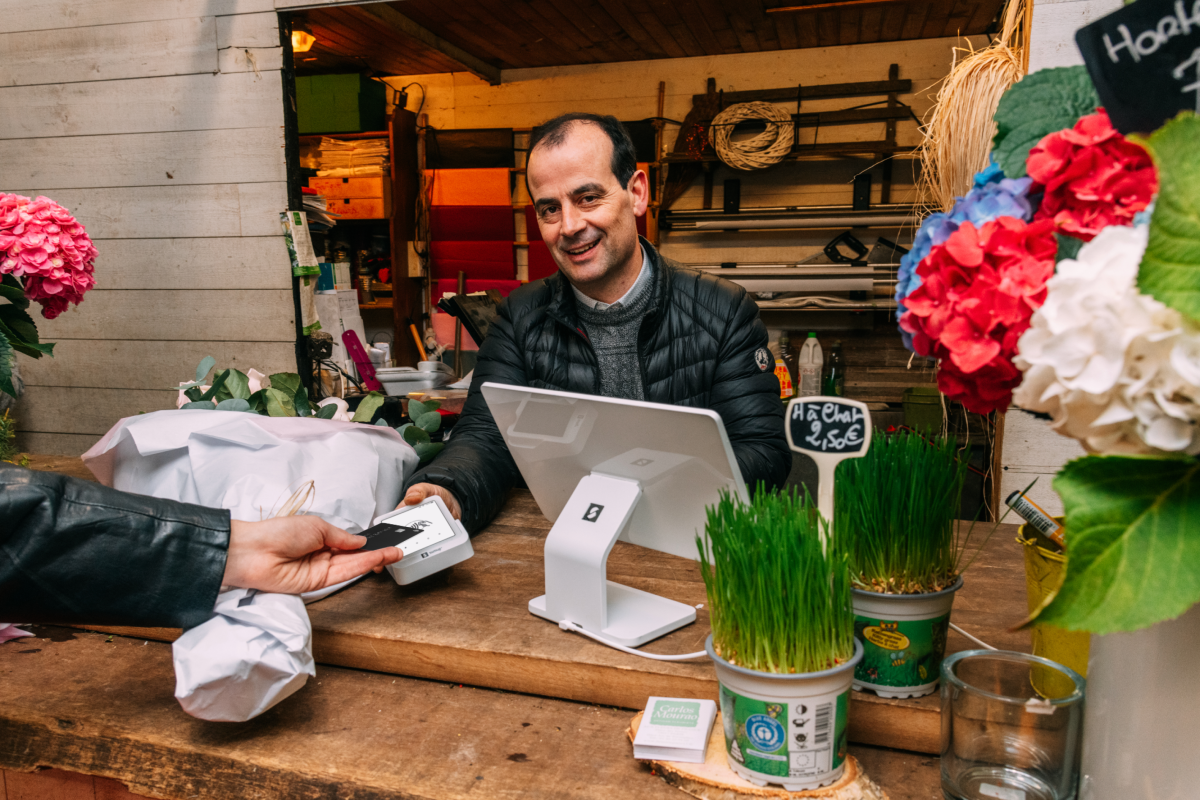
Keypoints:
pixel 901 653
pixel 786 740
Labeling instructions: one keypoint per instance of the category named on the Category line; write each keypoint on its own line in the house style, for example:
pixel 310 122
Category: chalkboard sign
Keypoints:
pixel 828 425
pixel 1145 62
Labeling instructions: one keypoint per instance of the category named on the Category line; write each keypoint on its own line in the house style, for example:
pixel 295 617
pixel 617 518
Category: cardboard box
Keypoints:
pixel 340 104
pixel 362 207
pixel 330 188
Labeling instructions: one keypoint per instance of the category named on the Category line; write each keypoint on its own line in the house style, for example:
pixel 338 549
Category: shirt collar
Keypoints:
pixel 596 305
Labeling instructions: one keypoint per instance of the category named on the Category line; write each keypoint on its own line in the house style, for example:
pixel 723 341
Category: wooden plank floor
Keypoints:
pixel 98 705
pixel 471 626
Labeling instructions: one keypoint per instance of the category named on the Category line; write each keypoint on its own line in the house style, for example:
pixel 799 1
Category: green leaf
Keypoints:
pixel 1170 269
pixel 193 393
pixel 22 333
pixel 429 422
pixel 327 411
pixel 205 405
pixel 258 401
pixel 11 288
pixel 426 450
pixel 415 436
pixel 382 423
pixel 300 400
pixel 1068 247
pixel 206 363
pixel 288 382
pixel 1041 103
pixel 233 404
pixel 280 403
pixel 416 408
pixel 236 385
pixel 218 381
pixel 367 407
pixel 6 364
pixel 1133 553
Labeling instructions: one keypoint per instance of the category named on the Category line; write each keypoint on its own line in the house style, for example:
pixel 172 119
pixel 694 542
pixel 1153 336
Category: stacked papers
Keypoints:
pixel 338 158
pixel 673 729
pixel 319 218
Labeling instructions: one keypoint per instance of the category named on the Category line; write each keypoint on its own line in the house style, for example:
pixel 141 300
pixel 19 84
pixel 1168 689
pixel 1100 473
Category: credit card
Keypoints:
pixel 387 535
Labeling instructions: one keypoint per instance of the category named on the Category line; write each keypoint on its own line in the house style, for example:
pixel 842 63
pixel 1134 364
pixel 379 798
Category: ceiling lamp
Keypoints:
pixel 302 38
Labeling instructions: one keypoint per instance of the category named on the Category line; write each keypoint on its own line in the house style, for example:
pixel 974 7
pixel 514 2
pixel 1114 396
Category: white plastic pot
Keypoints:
pixel 904 640
pixel 788 730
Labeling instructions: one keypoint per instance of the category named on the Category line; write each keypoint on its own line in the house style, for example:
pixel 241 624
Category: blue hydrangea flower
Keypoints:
pixel 993 196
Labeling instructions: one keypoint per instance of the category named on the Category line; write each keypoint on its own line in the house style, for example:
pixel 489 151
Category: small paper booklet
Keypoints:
pixel 673 729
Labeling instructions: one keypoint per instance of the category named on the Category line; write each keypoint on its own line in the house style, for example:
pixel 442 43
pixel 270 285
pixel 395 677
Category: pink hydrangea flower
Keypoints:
pixel 42 245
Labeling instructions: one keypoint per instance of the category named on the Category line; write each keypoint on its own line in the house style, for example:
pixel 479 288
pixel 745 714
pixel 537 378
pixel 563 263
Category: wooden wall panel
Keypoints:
pixel 38 15
pixel 1054 24
pixel 149 364
pixel 261 315
pixel 158 212
pixel 109 52
pixel 247 155
pixel 159 124
pixel 248 262
pixel 143 105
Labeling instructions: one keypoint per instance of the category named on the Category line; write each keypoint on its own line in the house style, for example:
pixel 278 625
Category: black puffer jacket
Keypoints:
pixel 700 345
pixel 76 551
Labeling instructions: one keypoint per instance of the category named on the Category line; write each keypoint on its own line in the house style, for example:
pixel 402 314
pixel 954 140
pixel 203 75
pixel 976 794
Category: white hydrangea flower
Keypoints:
pixel 1114 368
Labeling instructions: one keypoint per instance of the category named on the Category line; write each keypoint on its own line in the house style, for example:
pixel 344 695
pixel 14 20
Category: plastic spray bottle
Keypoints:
pixel 810 363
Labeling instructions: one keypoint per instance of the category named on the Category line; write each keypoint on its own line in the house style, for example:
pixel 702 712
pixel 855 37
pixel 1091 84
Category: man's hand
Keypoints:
pixel 298 554
pixel 422 491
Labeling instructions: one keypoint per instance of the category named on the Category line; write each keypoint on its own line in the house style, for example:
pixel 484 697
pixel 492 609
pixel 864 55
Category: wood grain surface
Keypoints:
pixel 103 705
pixel 471 625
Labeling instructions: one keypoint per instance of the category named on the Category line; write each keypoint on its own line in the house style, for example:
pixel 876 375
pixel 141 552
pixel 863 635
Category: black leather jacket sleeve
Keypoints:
pixel 76 551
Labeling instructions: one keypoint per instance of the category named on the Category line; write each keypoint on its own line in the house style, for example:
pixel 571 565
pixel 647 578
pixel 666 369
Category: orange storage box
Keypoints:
pixel 361 207
pixel 348 187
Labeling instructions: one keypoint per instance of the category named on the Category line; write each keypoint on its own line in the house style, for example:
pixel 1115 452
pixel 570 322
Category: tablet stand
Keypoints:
pixel 577 587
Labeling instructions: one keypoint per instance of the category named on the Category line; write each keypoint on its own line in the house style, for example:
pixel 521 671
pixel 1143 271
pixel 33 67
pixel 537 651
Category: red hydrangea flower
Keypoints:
pixel 1093 177
pixel 43 245
pixel 978 291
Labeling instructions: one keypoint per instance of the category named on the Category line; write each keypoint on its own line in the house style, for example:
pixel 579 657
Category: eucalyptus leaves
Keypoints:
pixel 283 395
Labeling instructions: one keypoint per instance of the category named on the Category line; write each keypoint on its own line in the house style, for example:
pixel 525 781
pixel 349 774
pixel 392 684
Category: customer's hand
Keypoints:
pixel 423 491
pixel 298 554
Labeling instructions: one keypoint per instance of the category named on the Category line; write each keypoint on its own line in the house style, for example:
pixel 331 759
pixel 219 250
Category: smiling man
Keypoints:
pixel 617 320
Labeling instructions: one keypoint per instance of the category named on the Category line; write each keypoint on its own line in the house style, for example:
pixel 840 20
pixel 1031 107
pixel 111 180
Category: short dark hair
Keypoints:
pixel 624 158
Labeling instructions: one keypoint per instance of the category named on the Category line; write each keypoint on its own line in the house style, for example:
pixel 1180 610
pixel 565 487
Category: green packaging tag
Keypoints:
pixel 676 713
pixel 900 653
pixel 801 739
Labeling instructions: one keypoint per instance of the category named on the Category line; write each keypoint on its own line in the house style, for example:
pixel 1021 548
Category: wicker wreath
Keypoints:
pixel 765 149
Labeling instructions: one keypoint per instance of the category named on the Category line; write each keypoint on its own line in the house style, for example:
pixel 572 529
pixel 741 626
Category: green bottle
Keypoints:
pixel 834 382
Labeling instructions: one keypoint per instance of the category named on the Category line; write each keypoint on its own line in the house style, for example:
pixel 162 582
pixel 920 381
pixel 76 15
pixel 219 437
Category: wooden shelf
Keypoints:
pixel 385 302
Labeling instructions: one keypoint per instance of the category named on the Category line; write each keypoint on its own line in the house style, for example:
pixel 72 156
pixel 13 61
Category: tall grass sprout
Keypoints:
pixel 896 512
pixel 777 602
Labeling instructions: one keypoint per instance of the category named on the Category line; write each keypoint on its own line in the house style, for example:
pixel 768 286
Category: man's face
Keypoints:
pixel 587 219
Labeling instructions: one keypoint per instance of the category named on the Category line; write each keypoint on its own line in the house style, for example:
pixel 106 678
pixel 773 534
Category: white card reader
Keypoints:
pixel 442 542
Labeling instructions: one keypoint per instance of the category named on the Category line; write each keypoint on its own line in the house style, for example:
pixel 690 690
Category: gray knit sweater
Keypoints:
pixel 613 333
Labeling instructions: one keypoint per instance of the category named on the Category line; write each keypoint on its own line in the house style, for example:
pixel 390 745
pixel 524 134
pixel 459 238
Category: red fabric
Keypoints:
pixel 480 260
pixel 541 263
pixel 471 223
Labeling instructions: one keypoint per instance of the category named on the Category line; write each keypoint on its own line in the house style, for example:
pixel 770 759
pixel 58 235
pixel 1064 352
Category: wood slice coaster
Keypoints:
pixel 714 780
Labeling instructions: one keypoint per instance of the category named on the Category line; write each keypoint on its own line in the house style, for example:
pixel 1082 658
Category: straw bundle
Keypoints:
pixel 763 150
pixel 959 129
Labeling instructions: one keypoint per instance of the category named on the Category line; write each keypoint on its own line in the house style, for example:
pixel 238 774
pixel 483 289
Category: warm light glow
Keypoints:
pixel 302 41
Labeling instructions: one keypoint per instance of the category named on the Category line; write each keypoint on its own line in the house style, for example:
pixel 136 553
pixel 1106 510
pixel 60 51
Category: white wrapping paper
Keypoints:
pixel 249 657
pixel 256 651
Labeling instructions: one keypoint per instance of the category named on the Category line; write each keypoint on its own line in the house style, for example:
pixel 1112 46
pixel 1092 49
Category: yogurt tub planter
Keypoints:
pixel 785 729
pixel 903 637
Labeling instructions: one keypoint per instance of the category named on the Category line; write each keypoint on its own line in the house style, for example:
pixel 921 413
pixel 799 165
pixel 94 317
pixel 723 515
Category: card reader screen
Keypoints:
pixel 544 419
pixel 427 523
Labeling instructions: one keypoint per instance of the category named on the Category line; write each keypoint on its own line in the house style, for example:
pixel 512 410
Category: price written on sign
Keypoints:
pixel 1145 62
pixel 828 426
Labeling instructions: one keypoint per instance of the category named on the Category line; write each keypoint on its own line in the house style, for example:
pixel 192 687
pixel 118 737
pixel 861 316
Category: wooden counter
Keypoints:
pixel 102 705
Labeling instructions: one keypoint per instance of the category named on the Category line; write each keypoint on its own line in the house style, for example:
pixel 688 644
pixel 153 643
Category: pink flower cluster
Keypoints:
pixel 43 245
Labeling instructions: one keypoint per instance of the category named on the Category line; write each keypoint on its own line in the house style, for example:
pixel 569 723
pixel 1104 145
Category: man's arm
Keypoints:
pixel 747 398
pixel 76 551
pixel 475 466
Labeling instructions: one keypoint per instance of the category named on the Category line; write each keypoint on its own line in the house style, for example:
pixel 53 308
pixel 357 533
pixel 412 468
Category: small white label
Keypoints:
pixel 1036 705
pixel 1000 793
